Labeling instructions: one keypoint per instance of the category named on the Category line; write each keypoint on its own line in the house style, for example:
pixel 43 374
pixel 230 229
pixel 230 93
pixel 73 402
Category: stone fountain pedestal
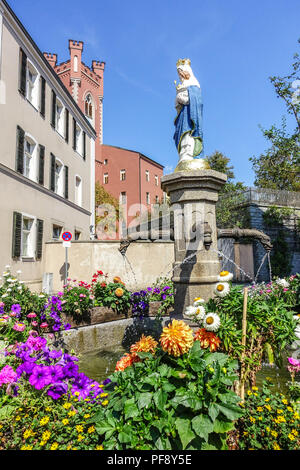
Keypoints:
pixel 193 196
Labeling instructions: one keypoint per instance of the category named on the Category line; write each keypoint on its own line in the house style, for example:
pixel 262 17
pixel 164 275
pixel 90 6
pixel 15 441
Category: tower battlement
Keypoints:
pixel 52 58
pixel 78 45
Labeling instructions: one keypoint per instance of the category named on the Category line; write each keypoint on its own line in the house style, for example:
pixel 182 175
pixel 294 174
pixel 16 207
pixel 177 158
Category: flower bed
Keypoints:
pixel 174 392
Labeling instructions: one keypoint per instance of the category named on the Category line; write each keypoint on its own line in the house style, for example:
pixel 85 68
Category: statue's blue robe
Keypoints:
pixel 190 118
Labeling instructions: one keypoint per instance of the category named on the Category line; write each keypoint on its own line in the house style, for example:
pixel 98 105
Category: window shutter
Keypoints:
pixel 52 172
pixel 41 164
pixel 74 134
pixel 67 125
pixel 84 145
pixel 53 111
pixel 20 150
pixel 23 72
pixel 39 239
pixel 43 97
pixel 17 235
pixel 66 182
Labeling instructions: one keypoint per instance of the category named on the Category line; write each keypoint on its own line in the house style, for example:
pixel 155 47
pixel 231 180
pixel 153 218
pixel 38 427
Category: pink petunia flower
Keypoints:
pixel 31 315
pixel 7 375
pixel 44 325
pixel 19 327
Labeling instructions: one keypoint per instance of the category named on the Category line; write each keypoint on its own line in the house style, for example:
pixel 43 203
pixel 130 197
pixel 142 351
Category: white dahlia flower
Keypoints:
pixel 198 301
pixel 297 331
pixel 190 312
pixel 225 276
pixel 200 312
pixel 222 289
pixel 211 322
pixel 282 283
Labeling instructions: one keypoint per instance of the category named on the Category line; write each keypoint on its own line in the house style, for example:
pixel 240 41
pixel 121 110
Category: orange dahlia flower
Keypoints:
pixel 207 339
pixel 177 338
pixel 145 344
pixel 119 292
pixel 126 361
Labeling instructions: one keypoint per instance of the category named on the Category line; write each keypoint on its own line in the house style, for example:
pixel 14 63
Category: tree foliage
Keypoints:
pixel 279 166
pixel 229 210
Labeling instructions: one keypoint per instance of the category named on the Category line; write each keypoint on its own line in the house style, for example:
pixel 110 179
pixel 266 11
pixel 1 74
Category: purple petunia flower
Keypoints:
pixel 16 308
pixel 57 390
pixel 56 373
pixel 70 370
pixel 67 326
pixel 106 381
pixel 55 354
pixel 40 377
pixel 81 386
pixel 26 367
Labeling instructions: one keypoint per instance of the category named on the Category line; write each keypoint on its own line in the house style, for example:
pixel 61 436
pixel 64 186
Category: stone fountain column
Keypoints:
pixel 193 196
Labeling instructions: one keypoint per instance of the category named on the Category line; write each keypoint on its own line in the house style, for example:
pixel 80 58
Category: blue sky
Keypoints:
pixel 234 46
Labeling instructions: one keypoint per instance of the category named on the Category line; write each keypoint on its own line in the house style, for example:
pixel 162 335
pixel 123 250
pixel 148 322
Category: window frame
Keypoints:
pixel 105 178
pixel 78 200
pixel 32 235
pixel 32 92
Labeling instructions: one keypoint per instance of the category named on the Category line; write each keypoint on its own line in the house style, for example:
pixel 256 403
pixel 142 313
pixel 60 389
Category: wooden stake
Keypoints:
pixel 244 329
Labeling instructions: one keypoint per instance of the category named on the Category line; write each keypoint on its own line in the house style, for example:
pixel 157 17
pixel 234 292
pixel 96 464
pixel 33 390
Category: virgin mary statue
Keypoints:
pixel 188 135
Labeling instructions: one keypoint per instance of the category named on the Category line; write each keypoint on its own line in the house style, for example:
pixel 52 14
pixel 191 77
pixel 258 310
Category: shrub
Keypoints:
pixel 164 402
pixel 270 422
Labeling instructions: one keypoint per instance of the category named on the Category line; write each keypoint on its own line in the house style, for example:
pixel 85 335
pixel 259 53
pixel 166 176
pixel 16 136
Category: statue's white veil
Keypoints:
pixel 185 66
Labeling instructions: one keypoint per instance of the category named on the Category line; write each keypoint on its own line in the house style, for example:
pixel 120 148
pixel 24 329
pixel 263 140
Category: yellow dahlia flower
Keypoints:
pixel 177 338
pixel 145 344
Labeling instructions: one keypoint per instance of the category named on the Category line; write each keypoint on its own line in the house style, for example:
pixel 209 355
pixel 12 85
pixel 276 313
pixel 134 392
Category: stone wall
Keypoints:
pixel 144 262
pixel 258 201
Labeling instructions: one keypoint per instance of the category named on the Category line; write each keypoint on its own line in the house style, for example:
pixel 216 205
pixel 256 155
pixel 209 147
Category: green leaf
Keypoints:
pixel 130 409
pixel 221 426
pixel 203 426
pixel 213 411
pixel 6 411
pixel 160 399
pixel 144 400
pixel 231 411
pixel 104 426
pixel 168 387
pixel 185 432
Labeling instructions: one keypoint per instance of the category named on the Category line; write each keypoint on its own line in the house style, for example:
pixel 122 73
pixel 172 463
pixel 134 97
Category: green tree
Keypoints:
pixel 279 166
pixel 229 209
pixel 106 217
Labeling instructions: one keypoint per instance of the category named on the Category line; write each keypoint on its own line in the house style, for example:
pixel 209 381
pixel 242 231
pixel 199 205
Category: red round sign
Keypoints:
pixel 67 236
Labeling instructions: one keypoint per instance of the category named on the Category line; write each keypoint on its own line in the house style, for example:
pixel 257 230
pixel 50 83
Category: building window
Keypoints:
pixel 32 85
pixel 88 108
pixel 29 165
pixel 77 235
pixel 122 175
pixel 56 232
pixel 78 139
pixel 156 199
pixel 58 177
pixel 105 178
pixel 123 198
pixel 78 191
pixel 147 198
pixel 75 63
pixel 147 175
pixel 60 118
pixel 28 237
pixel 156 180
pixel 105 162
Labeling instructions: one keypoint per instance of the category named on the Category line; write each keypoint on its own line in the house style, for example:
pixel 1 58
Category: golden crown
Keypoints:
pixel 183 62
